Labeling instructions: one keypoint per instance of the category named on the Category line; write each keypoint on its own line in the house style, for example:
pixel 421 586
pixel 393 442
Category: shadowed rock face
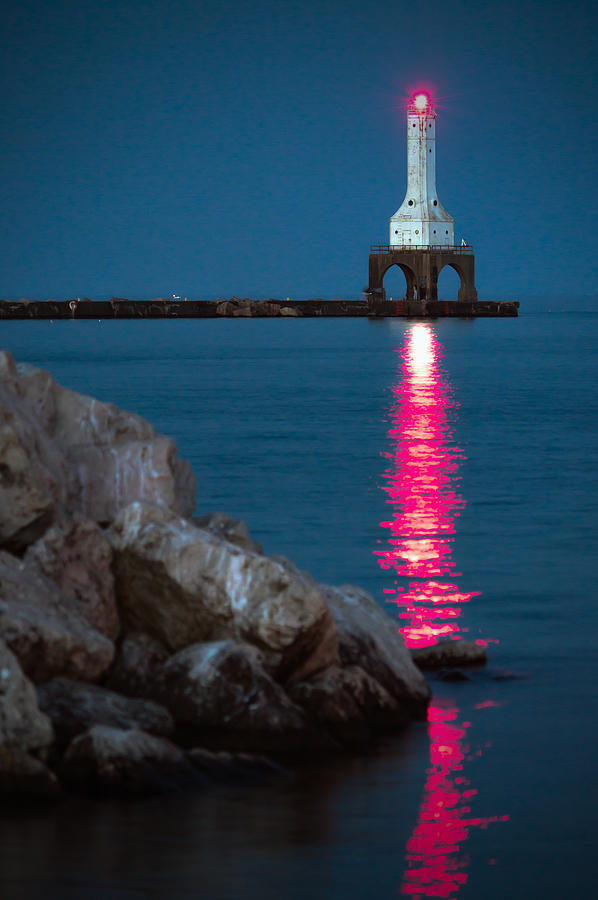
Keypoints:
pixel 73 707
pixel 370 639
pixel 182 584
pixel 62 452
pixel 349 704
pixel 138 659
pixel 126 761
pixel 221 692
pixel 77 557
pixel 22 724
pixel 47 636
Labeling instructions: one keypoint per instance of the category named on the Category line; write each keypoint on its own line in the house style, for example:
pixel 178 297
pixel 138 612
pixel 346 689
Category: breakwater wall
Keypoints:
pixel 161 308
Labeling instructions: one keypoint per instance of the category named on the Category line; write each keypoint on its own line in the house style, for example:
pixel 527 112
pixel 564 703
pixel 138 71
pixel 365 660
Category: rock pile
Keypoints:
pixel 142 649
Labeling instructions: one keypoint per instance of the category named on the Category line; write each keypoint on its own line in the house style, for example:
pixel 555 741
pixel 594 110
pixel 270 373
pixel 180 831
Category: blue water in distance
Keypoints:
pixel 286 426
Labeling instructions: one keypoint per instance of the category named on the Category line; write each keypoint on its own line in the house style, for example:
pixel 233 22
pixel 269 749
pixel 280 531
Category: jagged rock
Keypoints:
pixel 73 707
pixel 126 761
pixel 47 636
pixel 349 704
pixel 182 584
pixel 232 530
pixel 225 308
pixel 446 654
pixel 23 726
pixel 75 554
pixel 137 661
pixel 368 638
pixel 221 692
pixel 226 767
pixel 35 482
pixel 289 312
pixel 62 452
pixel 22 775
pixel 241 312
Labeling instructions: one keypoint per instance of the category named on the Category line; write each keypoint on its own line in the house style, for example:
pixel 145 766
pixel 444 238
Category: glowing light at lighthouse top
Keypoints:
pixel 421 221
pixel 421 103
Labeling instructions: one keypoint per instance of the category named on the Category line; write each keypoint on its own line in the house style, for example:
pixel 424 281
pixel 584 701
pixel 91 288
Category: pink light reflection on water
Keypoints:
pixel 420 484
pixel 436 864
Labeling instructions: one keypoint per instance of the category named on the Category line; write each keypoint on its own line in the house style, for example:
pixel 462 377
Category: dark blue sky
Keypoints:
pixel 258 148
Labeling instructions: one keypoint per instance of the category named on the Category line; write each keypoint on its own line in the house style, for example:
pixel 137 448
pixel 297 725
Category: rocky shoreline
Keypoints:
pixel 142 649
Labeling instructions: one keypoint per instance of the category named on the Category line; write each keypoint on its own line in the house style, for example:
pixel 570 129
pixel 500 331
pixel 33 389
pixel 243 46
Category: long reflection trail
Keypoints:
pixel 421 484
pixel 421 487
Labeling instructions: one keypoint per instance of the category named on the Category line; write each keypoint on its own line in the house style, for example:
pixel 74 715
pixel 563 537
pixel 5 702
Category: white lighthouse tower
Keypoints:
pixel 421 221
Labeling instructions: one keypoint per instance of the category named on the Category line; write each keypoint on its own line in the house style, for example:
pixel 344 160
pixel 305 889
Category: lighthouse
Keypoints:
pixel 422 233
pixel 421 221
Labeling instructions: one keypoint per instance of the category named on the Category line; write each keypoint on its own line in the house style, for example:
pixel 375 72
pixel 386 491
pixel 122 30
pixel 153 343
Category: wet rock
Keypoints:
pixel 73 707
pixel 232 530
pixel 368 638
pixel 23 726
pixel 182 584
pixel 223 766
pixel 75 554
pixel 45 634
pixel 126 761
pixel 448 654
pixel 220 692
pixel 138 659
pixel 349 704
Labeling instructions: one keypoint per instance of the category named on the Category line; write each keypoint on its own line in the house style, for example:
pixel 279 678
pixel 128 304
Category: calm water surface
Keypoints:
pixel 450 468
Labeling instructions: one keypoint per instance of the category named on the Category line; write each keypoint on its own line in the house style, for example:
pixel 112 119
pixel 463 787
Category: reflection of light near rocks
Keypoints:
pixel 436 864
pixel 420 485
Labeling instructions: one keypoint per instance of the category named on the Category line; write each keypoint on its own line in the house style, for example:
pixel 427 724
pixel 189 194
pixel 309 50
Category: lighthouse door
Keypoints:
pixel 406 238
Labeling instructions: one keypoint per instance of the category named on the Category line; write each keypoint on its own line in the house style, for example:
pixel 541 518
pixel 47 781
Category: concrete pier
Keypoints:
pixel 375 306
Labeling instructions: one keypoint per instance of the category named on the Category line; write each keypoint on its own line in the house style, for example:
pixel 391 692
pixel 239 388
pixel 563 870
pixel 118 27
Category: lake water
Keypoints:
pixel 451 469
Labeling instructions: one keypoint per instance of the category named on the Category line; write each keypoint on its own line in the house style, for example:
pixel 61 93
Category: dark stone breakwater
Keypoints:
pixel 143 649
pixel 162 308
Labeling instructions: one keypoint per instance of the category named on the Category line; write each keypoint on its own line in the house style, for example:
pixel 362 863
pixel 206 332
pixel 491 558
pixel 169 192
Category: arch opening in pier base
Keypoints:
pixel 399 282
pixel 449 284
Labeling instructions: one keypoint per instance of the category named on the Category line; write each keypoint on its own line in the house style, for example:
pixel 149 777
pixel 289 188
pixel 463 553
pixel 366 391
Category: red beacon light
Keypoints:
pixel 420 103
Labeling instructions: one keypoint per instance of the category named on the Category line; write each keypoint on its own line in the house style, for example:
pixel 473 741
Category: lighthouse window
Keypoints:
pixel 434 231
pixel 411 203
pixel 446 232
pixel 430 150
pixel 417 230
pixel 396 232
pixel 436 203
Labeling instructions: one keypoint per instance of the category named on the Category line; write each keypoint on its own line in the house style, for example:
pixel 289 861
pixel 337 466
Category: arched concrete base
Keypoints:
pixel 421 268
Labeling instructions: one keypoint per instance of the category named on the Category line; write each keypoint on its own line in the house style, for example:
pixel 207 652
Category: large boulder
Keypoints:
pixel 73 707
pixel 126 761
pixel 35 481
pixel 182 584
pixel 47 636
pixel 75 554
pixel 368 638
pixel 220 693
pixel 62 452
pixel 349 704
